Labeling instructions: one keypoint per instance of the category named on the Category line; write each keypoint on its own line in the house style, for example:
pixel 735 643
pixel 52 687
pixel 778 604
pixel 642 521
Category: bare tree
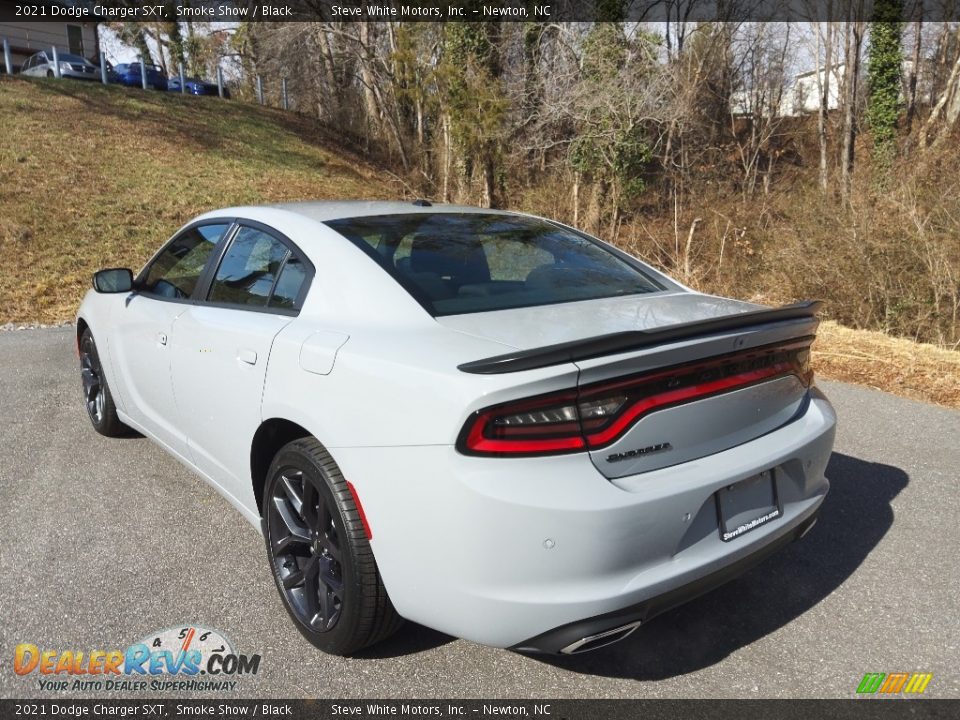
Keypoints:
pixel 854 30
pixel 946 108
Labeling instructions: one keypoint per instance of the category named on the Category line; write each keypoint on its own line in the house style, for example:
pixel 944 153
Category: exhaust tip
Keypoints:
pixel 807 529
pixel 599 640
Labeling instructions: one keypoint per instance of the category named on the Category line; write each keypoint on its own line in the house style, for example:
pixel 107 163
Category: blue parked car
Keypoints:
pixel 195 86
pixel 129 74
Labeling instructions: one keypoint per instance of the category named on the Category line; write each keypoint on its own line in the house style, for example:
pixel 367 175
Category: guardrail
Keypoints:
pixel 283 99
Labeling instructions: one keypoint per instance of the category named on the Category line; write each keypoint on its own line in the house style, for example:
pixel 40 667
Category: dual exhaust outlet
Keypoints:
pixel 601 639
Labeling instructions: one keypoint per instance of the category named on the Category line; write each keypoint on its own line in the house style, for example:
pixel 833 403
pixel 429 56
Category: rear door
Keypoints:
pixel 143 328
pixel 221 348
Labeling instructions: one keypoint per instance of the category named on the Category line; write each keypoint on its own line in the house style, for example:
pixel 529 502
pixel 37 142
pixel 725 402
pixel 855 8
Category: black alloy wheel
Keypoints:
pixel 96 392
pixel 320 554
pixel 306 550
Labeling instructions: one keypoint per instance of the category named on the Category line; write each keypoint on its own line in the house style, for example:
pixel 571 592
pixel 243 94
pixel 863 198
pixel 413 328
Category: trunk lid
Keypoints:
pixel 703 374
pixel 533 327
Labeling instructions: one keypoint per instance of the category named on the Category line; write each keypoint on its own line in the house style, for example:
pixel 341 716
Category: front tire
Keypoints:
pixel 96 393
pixel 319 554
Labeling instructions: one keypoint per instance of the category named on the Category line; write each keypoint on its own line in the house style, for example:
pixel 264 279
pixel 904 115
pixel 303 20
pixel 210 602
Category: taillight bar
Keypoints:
pixel 597 415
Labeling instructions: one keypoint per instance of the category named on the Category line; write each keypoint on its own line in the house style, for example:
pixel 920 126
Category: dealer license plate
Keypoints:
pixel 747 505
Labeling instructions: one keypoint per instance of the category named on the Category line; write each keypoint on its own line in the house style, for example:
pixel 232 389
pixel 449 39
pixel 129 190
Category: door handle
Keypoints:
pixel 162 338
pixel 247 356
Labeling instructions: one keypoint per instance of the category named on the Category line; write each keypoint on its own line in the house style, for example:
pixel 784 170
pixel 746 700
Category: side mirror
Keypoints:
pixel 113 280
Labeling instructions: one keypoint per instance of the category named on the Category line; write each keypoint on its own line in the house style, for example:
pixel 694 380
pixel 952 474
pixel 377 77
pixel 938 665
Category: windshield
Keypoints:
pixel 73 59
pixel 476 262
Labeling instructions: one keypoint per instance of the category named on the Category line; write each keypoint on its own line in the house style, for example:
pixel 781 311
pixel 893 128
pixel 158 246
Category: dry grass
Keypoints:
pixel 93 177
pixel 907 368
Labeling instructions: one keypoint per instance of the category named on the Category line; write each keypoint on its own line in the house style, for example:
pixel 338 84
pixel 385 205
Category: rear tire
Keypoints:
pixel 319 554
pixel 96 393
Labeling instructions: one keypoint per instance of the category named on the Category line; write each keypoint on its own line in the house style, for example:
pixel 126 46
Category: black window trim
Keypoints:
pixel 141 277
pixel 202 290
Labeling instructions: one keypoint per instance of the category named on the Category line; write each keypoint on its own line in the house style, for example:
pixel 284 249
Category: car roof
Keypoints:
pixel 324 210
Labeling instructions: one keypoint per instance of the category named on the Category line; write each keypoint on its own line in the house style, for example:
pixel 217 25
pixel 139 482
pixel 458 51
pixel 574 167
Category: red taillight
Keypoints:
pixel 597 415
pixel 538 426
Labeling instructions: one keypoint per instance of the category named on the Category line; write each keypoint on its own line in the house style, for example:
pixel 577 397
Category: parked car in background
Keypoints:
pixel 130 74
pixel 113 76
pixel 484 422
pixel 196 86
pixel 71 66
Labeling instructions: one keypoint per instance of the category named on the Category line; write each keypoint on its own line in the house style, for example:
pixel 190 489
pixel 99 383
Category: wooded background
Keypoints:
pixel 679 141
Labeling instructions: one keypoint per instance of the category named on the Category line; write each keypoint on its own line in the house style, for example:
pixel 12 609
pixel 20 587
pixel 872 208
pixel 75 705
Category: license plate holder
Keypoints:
pixel 747 505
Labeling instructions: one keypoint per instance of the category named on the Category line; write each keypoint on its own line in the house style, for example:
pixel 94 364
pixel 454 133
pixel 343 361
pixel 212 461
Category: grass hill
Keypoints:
pixel 94 176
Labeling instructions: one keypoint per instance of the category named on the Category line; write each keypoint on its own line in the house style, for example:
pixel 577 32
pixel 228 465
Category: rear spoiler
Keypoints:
pixel 618 342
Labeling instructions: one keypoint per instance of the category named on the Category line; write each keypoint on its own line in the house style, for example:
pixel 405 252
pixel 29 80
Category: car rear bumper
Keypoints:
pixel 596 632
pixel 527 553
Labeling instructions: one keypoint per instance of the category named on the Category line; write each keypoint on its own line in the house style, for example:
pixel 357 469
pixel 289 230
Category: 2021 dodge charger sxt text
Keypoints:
pixel 485 422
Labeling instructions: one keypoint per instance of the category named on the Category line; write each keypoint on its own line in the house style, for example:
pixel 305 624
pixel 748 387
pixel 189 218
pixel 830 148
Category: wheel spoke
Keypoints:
pixel 291 491
pixel 90 384
pixel 293 579
pixel 325 605
pixel 297 533
pixel 329 576
pixel 329 543
pixel 311 589
pixel 309 511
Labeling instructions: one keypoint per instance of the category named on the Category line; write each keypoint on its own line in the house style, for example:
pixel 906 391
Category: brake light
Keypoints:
pixel 597 415
pixel 539 426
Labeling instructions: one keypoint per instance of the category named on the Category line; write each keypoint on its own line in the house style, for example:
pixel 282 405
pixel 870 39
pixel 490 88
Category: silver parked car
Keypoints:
pixel 71 66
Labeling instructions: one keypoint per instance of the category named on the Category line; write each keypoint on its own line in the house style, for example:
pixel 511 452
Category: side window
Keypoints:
pixel 249 269
pixel 289 285
pixel 175 272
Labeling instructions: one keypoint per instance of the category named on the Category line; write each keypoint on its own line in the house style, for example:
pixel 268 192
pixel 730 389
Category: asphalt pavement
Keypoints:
pixel 105 541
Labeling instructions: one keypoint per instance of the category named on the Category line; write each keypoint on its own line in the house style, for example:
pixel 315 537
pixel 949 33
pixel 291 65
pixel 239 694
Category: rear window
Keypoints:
pixel 477 262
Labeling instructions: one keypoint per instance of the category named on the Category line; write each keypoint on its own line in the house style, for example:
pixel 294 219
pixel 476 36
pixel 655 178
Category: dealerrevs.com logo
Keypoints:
pixel 185 658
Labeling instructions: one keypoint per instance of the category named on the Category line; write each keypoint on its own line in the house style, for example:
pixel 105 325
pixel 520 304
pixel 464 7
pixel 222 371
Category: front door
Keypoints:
pixel 144 327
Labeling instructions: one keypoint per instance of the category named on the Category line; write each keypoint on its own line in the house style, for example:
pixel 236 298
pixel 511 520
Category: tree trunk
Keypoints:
pixel 366 77
pixel 576 199
pixel 489 182
pixel 948 105
pixel 822 116
pixel 446 157
pixel 851 71
pixel 914 73
pixel 328 81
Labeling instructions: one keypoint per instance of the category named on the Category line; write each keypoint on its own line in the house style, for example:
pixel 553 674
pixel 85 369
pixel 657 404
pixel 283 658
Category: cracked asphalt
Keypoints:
pixel 104 541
